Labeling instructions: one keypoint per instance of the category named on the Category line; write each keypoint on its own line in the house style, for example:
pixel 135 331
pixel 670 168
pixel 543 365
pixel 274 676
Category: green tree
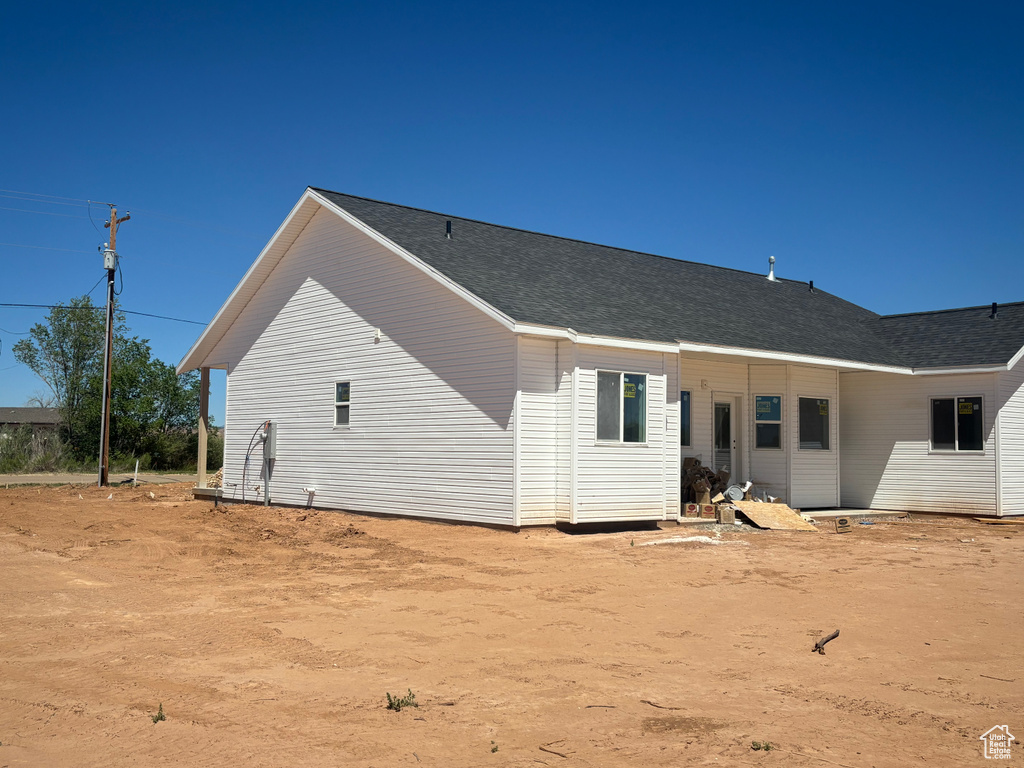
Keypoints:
pixel 65 351
pixel 153 411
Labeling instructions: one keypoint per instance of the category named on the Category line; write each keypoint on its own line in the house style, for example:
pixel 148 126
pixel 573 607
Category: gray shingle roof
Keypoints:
pixel 601 290
pixel 953 337
pixel 29 416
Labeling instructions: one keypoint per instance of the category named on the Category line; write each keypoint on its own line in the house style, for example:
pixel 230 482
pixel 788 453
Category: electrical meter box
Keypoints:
pixel 270 441
pixel 109 259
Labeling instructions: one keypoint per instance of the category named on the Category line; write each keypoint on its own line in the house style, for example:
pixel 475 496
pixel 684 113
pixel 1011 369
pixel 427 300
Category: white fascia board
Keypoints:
pixel 212 333
pixel 961 370
pixel 788 357
pixel 399 251
pixel 1015 359
pixel 529 329
pixel 611 341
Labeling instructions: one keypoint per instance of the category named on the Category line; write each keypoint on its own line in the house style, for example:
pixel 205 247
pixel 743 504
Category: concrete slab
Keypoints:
pixel 89 478
pixel 855 514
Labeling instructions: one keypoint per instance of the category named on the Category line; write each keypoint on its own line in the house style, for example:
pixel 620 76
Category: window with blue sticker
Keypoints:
pixel 768 421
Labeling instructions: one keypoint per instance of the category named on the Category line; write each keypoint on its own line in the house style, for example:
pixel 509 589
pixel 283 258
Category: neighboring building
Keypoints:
pixel 421 364
pixel 42 421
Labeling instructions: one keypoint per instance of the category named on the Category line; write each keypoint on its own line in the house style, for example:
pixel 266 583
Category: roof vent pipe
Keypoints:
pixel 771 268
pixel 810 286
pixel 448 229
pixel 995 311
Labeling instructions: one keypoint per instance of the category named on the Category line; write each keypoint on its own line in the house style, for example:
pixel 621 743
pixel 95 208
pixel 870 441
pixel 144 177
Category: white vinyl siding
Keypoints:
pixel 814 473
pixel 704 379
pixel 887 461
pixel 800 480
pixel 565 465
pixel 538 430
pixel 769 467
pixel 672 453
pixel 1011 440
pixel 431 433
pixel 622 481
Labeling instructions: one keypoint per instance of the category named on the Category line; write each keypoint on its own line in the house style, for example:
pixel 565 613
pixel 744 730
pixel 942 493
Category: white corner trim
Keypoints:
pixel 997 446
pixel 188 362
pixel 399 251
pixel 517 436
pixel 830 362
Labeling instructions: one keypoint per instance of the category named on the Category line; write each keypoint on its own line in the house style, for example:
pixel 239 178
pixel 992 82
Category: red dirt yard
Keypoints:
pixel 271 637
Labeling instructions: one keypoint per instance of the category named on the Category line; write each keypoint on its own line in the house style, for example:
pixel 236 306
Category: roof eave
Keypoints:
pixel 244 290
pixel 791 357
pixel 960 369
pixel 488 309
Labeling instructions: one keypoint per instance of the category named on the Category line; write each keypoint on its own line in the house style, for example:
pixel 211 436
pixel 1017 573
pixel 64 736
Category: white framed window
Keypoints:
pixel 814 423
pixel 621 407
pixel 342 403
pixel 685 416
pixel 957 424
pixel 768 421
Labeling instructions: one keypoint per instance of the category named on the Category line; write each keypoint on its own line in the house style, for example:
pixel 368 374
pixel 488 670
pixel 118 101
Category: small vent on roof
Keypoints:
pixel 810 286
pixel 448 229
pixel 771 268
pixel 995 311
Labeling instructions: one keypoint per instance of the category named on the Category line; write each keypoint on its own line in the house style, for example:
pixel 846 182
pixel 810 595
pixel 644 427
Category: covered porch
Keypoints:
pixel 771 422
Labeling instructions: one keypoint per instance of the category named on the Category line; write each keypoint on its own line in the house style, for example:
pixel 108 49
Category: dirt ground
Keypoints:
pixel 271 637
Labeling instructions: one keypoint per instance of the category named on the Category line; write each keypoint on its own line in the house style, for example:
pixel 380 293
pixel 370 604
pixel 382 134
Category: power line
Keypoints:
pixel 40 194
pixel 198 224
pixel 89 203
pixel 45 247
pixel 88 209
pixel 45 213
pixel 47 202
pixel 101 309
pixel 161 317
pixel 94 286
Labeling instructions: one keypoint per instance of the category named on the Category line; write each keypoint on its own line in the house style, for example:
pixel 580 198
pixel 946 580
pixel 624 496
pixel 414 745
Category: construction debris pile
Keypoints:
pixel 708 494
pixel 700 482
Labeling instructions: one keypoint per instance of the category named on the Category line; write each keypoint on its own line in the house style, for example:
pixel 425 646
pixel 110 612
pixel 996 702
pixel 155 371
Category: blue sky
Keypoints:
pixel 875 148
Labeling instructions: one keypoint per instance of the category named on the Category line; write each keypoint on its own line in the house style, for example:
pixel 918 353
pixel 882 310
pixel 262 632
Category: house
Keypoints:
pixel 416 363
pixel 42 421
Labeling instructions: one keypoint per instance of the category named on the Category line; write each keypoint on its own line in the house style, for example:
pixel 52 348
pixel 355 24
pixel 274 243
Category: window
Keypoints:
pixel 684 418
pixel 813 424
pixel 342 391
pixel 768 421
pixel 621 407
pixel 957 424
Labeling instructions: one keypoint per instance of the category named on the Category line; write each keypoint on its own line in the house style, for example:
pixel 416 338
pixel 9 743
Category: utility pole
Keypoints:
pixel 110 264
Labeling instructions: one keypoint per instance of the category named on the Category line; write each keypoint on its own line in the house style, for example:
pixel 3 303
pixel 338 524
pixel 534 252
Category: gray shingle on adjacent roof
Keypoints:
pixel 954 337
pixel 607 291
pixel 29 416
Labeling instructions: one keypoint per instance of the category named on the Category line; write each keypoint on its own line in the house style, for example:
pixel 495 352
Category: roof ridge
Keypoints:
pixel 954 309
pixel 560 237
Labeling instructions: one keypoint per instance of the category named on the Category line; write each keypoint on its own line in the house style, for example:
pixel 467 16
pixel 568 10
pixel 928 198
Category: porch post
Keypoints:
pixel 204 424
